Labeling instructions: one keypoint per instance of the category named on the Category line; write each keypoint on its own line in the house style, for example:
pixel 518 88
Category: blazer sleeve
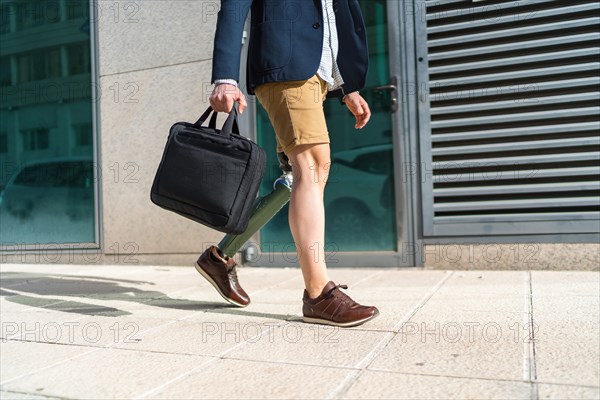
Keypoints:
pixel 227 46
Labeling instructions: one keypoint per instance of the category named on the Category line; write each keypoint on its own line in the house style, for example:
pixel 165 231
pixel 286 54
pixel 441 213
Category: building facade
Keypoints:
pixel 482 152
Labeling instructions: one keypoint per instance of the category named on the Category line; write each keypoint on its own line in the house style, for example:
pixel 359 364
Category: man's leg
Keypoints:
pixel 310 168
pixel 323 301
pixel 296 112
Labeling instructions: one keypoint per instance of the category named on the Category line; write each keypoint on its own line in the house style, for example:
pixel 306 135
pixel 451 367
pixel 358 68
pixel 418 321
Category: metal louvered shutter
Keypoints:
pixel 510 143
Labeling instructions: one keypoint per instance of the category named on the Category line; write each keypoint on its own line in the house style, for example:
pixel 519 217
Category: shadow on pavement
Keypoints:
pixel 15 287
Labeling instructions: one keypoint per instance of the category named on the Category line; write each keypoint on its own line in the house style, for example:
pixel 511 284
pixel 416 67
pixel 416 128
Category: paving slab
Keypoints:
pixel 296 342
pixel 241 379
pixel 106 373
pixel 567 392
pixel 23 396
pixel 386 385
pixel 166 333
pixel 552 283
pixel 567 332
pixel 88 331
pixel 466 344
pixel 209 334
pixel 95 285
pixel 485 283
pixel 439 338
pixel 568 353
pixel 37 325
pixel 483 291
pixel 400 282
pixel 16 359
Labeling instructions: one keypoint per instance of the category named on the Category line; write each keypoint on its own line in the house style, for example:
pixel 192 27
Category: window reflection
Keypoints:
pixel 359 197
pixel 47 179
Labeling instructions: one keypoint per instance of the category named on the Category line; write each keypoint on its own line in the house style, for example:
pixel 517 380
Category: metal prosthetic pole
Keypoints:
pixel 265 208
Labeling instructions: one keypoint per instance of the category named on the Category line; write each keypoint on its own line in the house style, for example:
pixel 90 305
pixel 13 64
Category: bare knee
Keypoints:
pixel 311 162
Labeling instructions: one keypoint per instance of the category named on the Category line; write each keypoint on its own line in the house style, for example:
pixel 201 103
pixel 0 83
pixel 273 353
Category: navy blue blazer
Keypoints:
pixel 286 39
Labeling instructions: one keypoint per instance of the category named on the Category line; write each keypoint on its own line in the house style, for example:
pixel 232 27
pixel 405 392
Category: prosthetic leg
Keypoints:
pixel 265 208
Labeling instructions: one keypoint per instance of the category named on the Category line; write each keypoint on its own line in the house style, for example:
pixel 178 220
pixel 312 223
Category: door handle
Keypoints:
pixel 385 87
pixel 393 89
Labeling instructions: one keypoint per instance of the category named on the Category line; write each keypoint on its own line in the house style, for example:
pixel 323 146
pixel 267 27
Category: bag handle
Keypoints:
pixel 230 126
pixel 203 117
pixel 213 121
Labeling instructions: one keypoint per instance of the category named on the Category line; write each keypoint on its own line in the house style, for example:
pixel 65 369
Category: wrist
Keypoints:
pixel 346 97
pixel 232 82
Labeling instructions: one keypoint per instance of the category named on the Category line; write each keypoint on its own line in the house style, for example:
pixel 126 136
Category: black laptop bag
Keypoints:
pixel 209 175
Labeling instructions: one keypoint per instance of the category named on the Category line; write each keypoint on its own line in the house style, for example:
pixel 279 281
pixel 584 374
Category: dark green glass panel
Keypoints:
pixel 47 174
pixel 359 196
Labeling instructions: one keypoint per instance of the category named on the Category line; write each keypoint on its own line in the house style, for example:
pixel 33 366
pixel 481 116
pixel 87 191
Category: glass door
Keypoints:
pixel 48 178
pixel 360 200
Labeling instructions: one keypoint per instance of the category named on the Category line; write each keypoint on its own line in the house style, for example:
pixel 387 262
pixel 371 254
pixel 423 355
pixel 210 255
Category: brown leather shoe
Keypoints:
pixel 333 307
pixel 220 270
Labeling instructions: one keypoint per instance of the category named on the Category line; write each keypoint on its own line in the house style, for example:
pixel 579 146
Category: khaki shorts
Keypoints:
pixel 295 110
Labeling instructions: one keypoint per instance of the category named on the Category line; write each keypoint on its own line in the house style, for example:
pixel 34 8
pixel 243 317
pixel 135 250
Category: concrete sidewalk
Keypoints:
pixel 153 332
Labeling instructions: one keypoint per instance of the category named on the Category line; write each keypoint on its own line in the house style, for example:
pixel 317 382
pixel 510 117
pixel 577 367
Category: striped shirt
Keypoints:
pixel 328 68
